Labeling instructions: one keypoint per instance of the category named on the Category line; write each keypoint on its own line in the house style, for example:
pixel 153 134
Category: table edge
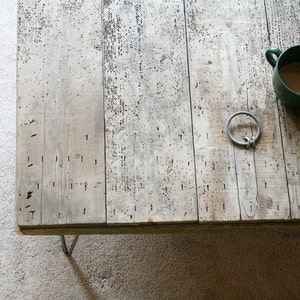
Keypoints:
pixel 162 228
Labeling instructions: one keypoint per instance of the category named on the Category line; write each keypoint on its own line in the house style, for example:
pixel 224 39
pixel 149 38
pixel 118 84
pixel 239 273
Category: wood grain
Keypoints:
pixel 213 91
pixel 121 115
pixel 172 228
pixel 284 32
pixel 150 160
pixel 227 41
pixel 60 98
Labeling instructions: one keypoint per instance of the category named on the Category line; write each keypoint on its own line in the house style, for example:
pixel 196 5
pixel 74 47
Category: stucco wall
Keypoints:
pixel 197 266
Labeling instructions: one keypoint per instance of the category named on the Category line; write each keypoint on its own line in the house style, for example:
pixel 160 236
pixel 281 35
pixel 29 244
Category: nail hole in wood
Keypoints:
pixel 32 213
pixel 29 194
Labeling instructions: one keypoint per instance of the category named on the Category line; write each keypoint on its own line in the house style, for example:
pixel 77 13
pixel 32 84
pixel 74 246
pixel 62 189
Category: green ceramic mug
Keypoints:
pixel 286 76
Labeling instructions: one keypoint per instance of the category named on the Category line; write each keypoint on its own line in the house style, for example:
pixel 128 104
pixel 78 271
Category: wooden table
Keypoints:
pixel 121 116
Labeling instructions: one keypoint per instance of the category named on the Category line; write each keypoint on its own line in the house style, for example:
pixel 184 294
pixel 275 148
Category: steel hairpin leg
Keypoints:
pixel 65 249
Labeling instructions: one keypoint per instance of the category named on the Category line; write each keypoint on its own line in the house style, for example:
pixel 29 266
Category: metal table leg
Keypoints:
pixel 65 249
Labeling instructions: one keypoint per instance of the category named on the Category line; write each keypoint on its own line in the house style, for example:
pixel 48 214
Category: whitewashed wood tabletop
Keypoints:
pixel 122 106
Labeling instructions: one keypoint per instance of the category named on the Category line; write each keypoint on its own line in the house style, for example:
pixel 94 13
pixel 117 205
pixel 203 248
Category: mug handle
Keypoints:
pixel 270 52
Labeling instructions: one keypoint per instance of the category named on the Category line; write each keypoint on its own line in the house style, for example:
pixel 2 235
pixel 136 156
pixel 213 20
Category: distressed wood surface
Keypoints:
pixel 61 171
pixel 122 107
pixel 234 183
pixel 212 79
pixel 284 27
pixel 150 160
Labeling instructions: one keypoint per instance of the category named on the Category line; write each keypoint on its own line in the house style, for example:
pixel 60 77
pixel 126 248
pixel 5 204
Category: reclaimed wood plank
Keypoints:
pixel 30 121
pixel 227 42
pixel 284 31
pixel 272 201
pixel 62 40
pixel 211 91
pixel 150 160
pixel 30 136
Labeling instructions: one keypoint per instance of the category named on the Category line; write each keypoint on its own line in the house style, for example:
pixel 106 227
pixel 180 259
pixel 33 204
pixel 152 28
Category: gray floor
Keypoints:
pixel 203 266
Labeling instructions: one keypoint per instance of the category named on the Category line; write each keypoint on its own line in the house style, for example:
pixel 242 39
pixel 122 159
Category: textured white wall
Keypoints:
pixel 203 266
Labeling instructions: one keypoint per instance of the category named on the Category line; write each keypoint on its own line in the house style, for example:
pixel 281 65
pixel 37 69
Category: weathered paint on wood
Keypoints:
pixel 149 142
pixel 212 90
pixel 233 76
pixel 284 29
pixel 61 171
pixel 121 116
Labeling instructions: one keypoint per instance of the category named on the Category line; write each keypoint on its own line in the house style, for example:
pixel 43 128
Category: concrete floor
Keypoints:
pixel 196 266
